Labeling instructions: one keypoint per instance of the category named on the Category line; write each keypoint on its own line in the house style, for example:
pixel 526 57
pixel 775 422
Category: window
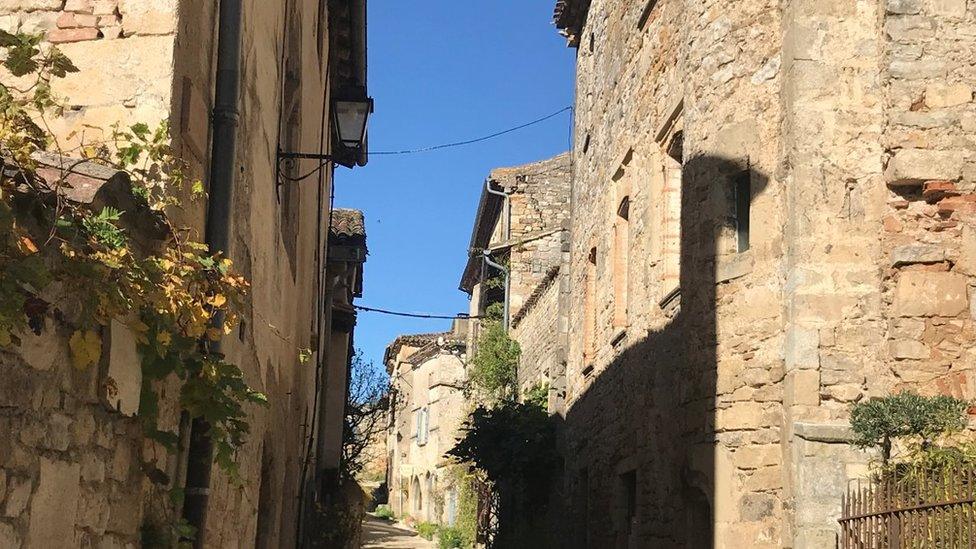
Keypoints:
pixel 666 191
pixel 589 308
pixel 422 425
pixel 671 198
pixel 582 505
pixel 627 506
pixel 621 262
pixel 743 202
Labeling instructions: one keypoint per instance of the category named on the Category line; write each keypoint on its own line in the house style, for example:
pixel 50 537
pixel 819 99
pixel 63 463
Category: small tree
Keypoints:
pixel 495 363
pixel 907 415
pixel 366 409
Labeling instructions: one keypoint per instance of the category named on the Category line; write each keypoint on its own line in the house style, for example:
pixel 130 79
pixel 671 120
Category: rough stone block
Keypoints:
pixel 9 538
pixel 753 507
pixel 939 96
pixel 148 18
pixel 37 22
pixel 57 436
pixel 966 262
pixel 904 349
pixel 947 8
pixel 918 69
pixel 917 253
pixel 924 293
pixel 904 7
pixel 68 20
pixel 803 348
pixel 11 6
pixel 912 166
pixel 62 36
pixel 767 478
pixel 803 387
pixel 16 387
pixel 80 6
pixel 741 415
pixel 910 28
pixel 18 496
pixel 105 7
pixel 10 23
pixel 754 457
pixel 55 505
pixel 963 204
pixel 926 120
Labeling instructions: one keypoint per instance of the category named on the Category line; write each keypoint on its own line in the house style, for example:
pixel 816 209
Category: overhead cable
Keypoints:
pixel 475 140
pixel 459 316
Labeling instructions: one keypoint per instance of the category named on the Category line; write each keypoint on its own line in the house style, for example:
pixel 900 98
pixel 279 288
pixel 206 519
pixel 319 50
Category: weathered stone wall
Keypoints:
pixel 124 50
pixel 684 397
pixel 538 214
pixel 152 61
pixel 536 330
pixel 532 232
pixel 854 122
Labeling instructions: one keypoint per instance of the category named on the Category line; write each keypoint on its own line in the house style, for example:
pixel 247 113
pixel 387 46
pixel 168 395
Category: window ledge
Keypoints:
pixel 733 266
pixel 618 335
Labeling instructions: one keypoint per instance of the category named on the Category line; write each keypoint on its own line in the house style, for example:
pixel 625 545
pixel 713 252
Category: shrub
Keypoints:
pixel 450 537
pixel 427 530
pixel 384 512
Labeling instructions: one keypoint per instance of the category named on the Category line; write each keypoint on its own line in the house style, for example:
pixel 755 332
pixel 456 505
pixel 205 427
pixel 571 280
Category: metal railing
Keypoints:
pixel 918 512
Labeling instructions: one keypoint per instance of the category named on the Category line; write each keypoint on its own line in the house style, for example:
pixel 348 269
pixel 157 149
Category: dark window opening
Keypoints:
pixel 676 147
pixel 628 483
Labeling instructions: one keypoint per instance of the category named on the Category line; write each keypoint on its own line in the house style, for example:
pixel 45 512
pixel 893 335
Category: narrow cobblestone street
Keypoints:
pixel 378 533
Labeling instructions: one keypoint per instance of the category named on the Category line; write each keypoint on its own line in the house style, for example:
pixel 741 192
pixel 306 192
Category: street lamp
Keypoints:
pixel 350 117
pixel 350 114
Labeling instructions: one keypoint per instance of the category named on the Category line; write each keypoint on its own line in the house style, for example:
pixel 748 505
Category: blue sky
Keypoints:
pixel 444 71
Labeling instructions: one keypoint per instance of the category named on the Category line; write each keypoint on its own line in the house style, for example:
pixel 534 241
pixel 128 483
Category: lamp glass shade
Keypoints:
pixel 350 120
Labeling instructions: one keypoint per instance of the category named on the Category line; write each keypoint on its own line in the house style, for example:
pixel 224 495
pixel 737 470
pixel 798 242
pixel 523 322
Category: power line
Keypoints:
pixel 476 140
pixel 461 316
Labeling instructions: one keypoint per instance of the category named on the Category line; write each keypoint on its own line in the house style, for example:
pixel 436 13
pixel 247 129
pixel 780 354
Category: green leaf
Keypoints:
pixel 59 64
pixel 140 130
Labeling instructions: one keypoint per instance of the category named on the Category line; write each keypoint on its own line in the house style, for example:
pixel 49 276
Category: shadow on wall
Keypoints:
pixel 639 443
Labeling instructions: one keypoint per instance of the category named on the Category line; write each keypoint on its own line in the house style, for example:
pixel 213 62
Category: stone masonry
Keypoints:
pixel 772 218
pixel 529 231
pixel 75 470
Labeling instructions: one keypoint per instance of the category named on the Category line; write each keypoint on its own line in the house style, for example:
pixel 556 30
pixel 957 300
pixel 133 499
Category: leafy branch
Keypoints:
pixel 58 256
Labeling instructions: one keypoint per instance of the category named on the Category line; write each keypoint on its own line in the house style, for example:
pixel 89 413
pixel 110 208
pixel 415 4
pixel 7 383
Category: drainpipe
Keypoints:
pixel 508 234
pixel 504 269
pixel 223 162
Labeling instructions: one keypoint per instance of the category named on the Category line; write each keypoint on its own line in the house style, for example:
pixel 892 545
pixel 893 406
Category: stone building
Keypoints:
pixel 73 467
pixel 772 218
pixel 522 224
pixel 427 408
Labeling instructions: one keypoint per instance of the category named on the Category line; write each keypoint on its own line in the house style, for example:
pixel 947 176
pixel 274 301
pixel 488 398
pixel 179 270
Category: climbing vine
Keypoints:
pixel 494 372
pixel 61 260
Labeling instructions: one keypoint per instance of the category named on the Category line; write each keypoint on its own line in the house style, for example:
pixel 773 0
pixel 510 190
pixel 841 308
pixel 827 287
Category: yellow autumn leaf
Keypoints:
pixel 86 348
pixel 217 300
pixel 27 245
pixel 164 339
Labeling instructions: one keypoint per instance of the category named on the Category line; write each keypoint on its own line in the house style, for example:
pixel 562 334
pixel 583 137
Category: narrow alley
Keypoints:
pixel 508 274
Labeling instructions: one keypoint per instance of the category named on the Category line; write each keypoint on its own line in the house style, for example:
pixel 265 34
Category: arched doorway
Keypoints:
pixel 416 497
